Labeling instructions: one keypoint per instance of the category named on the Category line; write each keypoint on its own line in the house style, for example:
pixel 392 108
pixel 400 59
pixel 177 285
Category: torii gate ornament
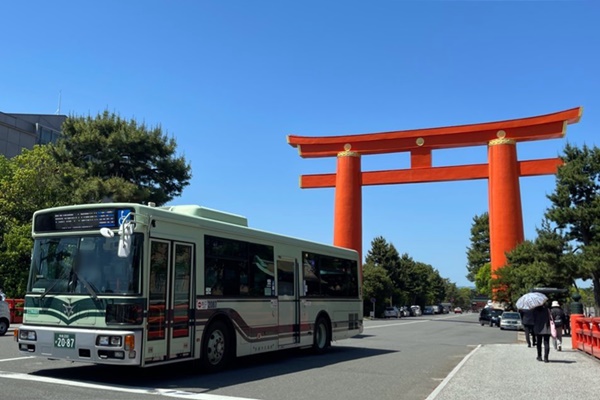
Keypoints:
pixel 502 170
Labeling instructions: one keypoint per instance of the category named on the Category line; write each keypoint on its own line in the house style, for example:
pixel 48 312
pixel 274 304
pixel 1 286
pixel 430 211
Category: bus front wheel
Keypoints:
pixel 322 337
pixel 216 349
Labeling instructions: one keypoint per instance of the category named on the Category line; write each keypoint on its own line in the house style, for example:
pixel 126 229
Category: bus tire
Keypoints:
pixel 216 347
pixel 321 336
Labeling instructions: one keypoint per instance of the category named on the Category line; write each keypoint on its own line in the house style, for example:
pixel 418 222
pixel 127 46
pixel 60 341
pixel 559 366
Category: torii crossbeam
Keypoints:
pixel 502 170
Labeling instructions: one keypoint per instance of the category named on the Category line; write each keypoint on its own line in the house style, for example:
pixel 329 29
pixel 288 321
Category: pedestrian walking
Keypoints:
pixel 541 328
pixel 527 321
pixel 559 317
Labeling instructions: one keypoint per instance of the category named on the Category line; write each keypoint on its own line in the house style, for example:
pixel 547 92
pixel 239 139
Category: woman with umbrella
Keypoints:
pixel 541 329
pixel 541 320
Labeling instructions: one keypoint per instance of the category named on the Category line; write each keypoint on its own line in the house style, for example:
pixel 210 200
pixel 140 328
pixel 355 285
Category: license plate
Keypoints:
pixel 64 340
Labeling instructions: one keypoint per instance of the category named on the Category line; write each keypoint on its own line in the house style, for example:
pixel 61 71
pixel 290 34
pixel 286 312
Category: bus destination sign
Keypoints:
pixel 84 220
pixel 77 220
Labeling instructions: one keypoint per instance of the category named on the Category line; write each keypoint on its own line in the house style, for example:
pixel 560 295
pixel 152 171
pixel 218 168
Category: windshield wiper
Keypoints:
pixel 76 277
pixel 56 282
pixel 88 287
pixel 73 278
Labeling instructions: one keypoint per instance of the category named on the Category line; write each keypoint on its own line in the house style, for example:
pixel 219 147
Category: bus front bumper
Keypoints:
pixel 118 347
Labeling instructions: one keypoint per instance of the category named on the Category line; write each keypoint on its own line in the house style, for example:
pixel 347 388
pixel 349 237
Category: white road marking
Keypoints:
pixel 441 386
pixel 15 359
pixel 154 391
pixel 411 322
pixel 397 324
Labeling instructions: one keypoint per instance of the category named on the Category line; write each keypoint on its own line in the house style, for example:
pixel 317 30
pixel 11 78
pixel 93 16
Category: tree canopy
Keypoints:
pixel 575 211
pixel 483 280
pixel 28 182
pixel 120 160
pixel 95 159
pixel 478 254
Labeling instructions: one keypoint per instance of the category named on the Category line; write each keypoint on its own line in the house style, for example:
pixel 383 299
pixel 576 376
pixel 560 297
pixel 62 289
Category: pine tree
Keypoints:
pixel 479 253
pixel 576 210
pixel 121 160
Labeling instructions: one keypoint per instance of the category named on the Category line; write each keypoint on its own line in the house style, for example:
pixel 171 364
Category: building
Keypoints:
pixel 479 302
pixel 23 131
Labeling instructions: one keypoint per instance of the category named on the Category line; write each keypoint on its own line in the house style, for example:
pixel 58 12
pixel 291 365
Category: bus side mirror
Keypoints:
pixel 125 232
pixel 107 233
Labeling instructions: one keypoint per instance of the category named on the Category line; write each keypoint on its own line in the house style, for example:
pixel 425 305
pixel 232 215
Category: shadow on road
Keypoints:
pixel 188 376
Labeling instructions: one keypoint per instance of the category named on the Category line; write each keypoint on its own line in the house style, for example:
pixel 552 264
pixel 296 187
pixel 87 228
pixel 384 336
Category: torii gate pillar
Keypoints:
pixel 505 212
pixel 347 231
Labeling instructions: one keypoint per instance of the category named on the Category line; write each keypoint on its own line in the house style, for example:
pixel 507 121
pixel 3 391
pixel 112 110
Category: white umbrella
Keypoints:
pixel 531 300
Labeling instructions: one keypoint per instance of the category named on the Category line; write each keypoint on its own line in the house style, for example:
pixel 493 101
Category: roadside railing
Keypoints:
pixel 16 310
pixel 585 334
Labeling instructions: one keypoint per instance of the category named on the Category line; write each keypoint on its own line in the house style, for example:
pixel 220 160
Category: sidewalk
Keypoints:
pixel 505 371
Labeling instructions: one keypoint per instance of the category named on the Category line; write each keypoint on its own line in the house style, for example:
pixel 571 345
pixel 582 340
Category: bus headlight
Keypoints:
pixel 115 341
pixel 108 340
pixel 27 335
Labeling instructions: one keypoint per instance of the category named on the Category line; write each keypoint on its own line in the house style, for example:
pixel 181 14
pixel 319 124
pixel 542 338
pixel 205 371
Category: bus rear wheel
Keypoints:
pixel 322 336
pixel 216 348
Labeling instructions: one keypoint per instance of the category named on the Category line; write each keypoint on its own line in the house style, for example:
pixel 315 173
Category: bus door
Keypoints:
pixel 169 333
pixel 288 299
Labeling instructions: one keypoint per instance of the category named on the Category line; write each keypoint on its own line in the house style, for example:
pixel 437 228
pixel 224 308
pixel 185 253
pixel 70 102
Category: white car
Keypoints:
pixel 416 311
pixel 511 320
pixel 391 312
pixel 4 317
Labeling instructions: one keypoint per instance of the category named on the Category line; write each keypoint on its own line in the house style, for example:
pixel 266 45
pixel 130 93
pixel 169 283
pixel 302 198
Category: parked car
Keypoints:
pixel 405 311
pixel 4 317
pixel 511 320
pixel 457 310
pixel 391 312
pixel 428 310
pixel 490 316
pixel 415 311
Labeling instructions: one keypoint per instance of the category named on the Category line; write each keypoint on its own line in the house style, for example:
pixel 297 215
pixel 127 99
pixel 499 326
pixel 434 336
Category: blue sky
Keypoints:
pixel 230 79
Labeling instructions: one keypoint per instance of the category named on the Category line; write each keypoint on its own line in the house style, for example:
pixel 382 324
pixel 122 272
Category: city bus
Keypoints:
pixel 139 285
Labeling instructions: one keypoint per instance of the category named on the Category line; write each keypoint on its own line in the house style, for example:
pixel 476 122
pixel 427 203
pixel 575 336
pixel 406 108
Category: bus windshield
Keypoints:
pixel 84 265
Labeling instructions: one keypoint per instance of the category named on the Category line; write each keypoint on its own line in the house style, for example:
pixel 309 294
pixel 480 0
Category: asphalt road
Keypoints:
pixel 406 358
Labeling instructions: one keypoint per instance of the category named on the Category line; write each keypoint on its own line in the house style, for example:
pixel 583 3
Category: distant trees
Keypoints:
pixel 399 280
pixel 96 159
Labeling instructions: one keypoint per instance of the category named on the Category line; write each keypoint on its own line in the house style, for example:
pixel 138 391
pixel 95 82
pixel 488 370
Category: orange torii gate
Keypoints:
pixel 502 170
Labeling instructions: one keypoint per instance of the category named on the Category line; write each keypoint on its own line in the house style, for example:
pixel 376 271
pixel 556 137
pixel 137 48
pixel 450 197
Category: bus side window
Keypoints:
pixel 231 278
pixel 213 277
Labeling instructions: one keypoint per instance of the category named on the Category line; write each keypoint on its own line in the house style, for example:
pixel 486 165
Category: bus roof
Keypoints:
pixel 209 213
pixel 192 214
